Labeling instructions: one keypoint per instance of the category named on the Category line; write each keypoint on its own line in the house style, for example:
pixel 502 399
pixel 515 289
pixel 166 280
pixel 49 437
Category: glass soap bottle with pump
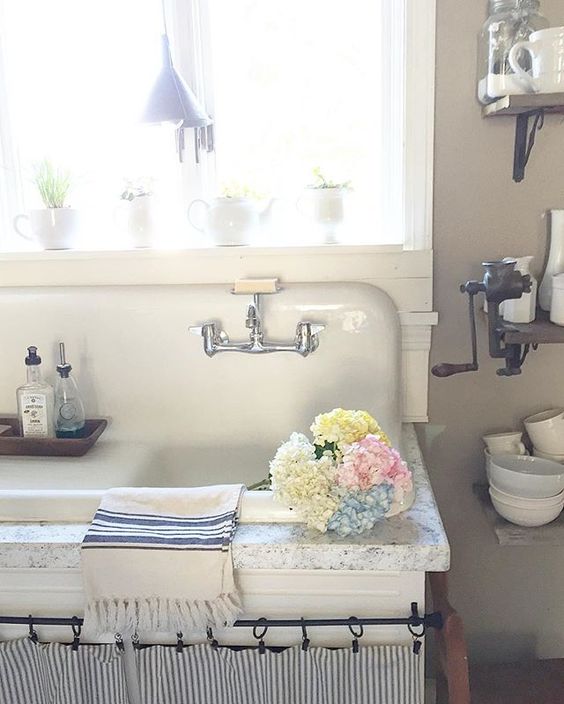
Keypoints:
pixel 509 22
pixel 69 409
pixel 35 401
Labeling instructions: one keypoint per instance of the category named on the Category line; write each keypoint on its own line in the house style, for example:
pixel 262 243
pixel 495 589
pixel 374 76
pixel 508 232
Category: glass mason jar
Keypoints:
pixel 510 21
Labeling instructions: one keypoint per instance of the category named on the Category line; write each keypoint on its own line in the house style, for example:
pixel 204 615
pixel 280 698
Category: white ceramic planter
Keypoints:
pixel 326 208
pixel 52 228
pixel 140 221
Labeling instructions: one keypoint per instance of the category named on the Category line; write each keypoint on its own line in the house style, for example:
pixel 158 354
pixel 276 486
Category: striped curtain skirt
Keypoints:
pixel 31 673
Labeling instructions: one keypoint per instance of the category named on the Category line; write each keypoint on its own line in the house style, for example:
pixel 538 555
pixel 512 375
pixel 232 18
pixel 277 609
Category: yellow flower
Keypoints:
pixel 345 427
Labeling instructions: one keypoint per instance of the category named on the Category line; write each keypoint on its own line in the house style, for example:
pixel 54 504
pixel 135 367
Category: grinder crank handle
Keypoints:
pixel 445 369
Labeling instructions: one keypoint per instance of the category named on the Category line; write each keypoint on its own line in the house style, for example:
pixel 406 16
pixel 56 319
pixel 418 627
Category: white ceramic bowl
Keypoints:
pixel 546 430
pixel 523 516
pixel 524 502
pixel 548 456
pixel 524 476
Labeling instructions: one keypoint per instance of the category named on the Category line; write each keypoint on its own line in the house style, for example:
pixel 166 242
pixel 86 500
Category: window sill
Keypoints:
pixel 405 275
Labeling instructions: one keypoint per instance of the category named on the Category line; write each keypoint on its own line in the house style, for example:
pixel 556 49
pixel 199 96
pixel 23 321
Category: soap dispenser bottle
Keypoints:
pixel 69 409
pixel 35 401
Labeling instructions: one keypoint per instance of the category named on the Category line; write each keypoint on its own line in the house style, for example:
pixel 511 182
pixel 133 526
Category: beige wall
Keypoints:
pixel 512 599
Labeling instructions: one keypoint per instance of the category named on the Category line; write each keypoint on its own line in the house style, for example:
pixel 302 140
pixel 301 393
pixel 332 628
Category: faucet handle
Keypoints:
pixel 316 328
pixel 210 330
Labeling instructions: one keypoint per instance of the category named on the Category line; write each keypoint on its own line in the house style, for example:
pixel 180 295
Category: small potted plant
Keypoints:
pixel 323 202
pixel 56 225
pixel 138 204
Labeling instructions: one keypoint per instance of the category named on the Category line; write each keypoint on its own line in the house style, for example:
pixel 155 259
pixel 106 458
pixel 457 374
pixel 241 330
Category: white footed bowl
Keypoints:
pixel 526 477
pixel 519 501
pixel 524 516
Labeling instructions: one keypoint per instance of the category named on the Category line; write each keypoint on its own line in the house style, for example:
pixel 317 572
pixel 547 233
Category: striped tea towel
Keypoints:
pixel 160 560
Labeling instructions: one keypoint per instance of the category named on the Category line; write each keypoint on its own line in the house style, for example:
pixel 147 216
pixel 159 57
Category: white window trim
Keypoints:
pixel 416 74
pixel 419 131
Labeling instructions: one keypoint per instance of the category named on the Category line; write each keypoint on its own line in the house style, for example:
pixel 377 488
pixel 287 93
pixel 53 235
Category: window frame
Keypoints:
pixel 408 50
pixel 413 76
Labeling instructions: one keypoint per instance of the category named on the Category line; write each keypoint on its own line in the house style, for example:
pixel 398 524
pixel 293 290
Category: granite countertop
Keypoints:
pixel 412 541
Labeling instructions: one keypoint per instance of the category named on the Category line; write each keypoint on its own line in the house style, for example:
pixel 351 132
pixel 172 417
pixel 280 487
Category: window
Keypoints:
pixel 291 86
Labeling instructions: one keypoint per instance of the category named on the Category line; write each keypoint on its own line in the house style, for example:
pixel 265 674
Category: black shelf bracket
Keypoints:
pixel 525 140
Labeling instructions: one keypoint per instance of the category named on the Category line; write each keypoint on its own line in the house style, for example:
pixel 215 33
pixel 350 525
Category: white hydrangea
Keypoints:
pixel 305 483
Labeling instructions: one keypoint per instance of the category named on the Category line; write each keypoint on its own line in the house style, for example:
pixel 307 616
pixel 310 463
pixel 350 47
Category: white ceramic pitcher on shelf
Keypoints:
pixel 229 221
pixel 555 262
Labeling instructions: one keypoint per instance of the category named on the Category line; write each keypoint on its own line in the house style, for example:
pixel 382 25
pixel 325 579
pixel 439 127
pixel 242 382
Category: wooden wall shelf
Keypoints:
pixel 524 108
pixel 541 331
pixel 519 104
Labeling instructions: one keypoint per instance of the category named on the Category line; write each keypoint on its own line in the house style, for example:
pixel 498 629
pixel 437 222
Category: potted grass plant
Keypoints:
pixel 56 225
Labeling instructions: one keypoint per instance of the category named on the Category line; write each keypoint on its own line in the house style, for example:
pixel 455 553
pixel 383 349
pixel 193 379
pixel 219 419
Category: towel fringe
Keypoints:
pixel 161 615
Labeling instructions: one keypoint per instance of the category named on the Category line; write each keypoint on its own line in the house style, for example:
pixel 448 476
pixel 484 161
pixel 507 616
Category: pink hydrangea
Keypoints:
pixel 370 462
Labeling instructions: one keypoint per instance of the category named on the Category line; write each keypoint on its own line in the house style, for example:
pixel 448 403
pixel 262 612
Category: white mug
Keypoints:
pixel 546 48
pixel 52 228
pixel 505 443
pixel 546 431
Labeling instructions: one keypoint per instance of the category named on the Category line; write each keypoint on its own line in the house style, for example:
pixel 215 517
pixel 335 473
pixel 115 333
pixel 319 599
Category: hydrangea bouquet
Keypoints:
pixel 346 479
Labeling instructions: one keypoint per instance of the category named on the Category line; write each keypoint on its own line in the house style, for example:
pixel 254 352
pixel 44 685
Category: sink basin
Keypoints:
pixel 34 489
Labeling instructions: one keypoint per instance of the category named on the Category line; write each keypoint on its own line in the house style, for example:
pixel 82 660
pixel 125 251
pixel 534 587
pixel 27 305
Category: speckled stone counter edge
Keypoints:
pixel 413 541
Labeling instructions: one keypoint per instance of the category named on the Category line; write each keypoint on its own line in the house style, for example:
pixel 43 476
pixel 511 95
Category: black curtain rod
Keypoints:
pixel 433 620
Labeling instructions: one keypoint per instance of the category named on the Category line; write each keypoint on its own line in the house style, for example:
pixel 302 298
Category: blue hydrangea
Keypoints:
pixel 360 510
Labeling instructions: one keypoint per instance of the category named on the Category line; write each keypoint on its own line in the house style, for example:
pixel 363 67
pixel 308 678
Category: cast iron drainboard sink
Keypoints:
pixel 79 506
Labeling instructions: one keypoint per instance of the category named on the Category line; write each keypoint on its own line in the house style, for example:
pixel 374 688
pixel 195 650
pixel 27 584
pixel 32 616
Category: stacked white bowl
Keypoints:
pixel 546 431
pixel 527 491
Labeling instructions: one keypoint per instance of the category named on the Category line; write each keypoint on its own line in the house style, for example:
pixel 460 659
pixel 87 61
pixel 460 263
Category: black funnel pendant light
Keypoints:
pixel 171 99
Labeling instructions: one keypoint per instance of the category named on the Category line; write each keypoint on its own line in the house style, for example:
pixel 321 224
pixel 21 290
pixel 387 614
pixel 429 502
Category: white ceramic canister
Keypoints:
pixel 557 303
pixel 555 263
pixel 524 309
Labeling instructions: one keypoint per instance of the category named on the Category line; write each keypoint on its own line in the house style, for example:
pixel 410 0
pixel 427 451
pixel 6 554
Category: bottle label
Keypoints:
pixel 34 415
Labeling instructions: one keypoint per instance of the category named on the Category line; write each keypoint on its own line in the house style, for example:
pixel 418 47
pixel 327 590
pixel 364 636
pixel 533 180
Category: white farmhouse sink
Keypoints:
pixel 178 418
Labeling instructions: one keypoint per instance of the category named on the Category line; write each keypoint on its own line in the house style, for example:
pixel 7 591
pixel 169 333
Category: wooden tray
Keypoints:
pixel 15 444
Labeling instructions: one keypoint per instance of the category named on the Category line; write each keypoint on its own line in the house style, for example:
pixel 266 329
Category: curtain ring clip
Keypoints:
pixel 32 633
pixel 119 642
pixel 353 621
pixel 211 639
pixel 135 641
pixel 260 636
pixel 76 631
pixel 179 642
pixel 417 621
pixel 305 639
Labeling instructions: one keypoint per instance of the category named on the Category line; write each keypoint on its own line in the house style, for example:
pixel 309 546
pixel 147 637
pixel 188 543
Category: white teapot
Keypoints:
pixel 229 221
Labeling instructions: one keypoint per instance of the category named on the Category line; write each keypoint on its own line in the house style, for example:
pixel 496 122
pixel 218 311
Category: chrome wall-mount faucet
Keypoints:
pixel 216 340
